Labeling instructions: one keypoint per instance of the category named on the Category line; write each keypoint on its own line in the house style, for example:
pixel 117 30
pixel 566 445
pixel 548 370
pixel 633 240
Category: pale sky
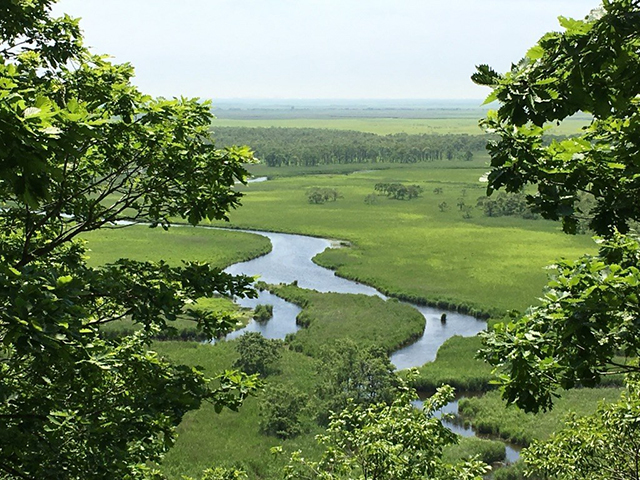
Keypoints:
pixel 316 48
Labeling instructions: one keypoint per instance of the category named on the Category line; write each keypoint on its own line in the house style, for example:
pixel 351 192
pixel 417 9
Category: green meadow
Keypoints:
pixel 456 365
pixel 489 415
pixel 207 438
pixel 411 248
pixel 327 317
pixel 217 247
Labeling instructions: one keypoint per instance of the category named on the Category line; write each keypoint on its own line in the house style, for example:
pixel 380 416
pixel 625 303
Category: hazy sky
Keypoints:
pixel 316 48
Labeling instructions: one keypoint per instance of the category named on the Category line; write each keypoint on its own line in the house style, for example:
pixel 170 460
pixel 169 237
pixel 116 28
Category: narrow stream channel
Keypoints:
pixel 291 260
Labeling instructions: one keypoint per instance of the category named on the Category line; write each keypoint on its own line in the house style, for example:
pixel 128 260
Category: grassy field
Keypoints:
pixel 208 439
pixel 384 126
pixel 480 160
pixel 412 248
pixel 328 317
pixel 488 414
pixel 457 366
pixel 220 248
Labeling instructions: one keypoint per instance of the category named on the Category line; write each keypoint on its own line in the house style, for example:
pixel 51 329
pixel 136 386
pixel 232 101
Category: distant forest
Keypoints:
pixel 277 146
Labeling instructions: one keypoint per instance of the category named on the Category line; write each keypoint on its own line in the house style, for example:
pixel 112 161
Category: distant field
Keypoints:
pixel 384 126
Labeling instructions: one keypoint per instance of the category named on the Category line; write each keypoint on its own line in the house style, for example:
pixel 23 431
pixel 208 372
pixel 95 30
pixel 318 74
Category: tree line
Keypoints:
pixel 278 147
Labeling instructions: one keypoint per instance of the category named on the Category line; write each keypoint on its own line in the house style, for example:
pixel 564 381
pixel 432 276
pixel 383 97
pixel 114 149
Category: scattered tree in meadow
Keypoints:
pixel 506 204
pixel 258 354
pixel 318 195
pixel 586 325
pixel 371 199
pixel 281 411
pixel 398 191
pixel 347 371
pixel 443 206
pixel 438 190
pixel 82 149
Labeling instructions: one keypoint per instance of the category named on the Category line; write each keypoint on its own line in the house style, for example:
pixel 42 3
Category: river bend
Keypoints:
pixel 291 260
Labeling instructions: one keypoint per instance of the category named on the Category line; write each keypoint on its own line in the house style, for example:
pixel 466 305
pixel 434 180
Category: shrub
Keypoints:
pixel 258 354
pixel 281 411
pixel 263 313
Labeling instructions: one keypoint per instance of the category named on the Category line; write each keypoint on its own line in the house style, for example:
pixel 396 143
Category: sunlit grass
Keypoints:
pixel 490 415
pixel 412 248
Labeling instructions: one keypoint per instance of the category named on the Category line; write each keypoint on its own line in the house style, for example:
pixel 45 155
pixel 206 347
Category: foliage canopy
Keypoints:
pixel 588 313
pixel 587 323
pixel 82 149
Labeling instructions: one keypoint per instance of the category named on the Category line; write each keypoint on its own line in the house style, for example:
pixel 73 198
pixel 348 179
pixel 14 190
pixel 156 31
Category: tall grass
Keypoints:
pixel 206 438
pixel 456 365
pixel 327 317
pixel 490 415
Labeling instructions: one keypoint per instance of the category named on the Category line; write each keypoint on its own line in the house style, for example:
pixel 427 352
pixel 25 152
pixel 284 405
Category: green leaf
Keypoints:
pixel 64 280
pixel 492 97
pixel 535 53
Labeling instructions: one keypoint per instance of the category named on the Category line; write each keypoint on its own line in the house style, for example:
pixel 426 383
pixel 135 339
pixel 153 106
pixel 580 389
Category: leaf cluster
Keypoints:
pixel 593 67
pixel 586 320
pixel 258 354
pixel 386 441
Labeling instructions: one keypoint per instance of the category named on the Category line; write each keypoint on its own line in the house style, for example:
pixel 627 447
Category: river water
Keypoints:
pixel 291 260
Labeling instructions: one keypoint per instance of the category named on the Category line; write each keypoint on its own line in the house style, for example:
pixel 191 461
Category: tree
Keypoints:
pixel 321 195
pixel 383 441
pixel 588 314
pixel 371 199
pixel 348 372
pixel 221 473
pixel 82 149
pixel 258 354
pixel 592 67
pixel 599 446
pixel 263 313
pixel 281 411
pixel 586 326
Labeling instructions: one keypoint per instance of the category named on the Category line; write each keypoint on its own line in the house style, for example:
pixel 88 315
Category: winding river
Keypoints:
pixel 291 260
